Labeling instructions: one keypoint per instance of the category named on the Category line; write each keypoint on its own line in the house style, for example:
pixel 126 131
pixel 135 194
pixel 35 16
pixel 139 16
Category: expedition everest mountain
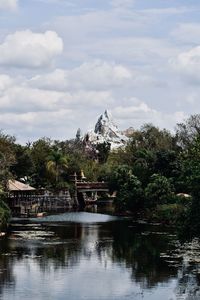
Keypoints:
pixel 107 131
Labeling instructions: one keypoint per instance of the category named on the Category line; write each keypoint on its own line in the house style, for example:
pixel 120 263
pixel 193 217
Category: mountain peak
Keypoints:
pixel 107 114
pixel 105 124
pixel 106 131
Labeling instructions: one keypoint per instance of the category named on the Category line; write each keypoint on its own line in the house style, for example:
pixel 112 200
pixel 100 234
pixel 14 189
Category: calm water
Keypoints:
pixel 92 256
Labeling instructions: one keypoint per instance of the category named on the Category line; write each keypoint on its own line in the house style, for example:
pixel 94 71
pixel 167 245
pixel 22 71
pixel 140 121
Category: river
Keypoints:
pixel 96 257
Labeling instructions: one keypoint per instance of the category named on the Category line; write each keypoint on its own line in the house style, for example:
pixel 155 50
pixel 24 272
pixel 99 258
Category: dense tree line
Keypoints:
pixel 150 175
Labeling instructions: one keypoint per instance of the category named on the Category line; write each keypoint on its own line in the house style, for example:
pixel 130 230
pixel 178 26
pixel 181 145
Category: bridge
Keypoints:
pixel 91 187
pixel 24 199
pixel 86 192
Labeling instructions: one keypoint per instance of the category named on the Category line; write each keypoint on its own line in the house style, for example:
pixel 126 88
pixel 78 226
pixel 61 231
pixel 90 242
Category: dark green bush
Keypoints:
pixel 168 213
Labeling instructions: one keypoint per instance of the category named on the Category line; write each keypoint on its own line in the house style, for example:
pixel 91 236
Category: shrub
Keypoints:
pixel 4 211
pixel 158 191
pixel 169 213
pixel 130 195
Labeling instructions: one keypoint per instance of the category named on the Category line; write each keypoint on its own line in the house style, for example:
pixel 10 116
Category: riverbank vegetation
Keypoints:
pixel 5 212
pixel 156 176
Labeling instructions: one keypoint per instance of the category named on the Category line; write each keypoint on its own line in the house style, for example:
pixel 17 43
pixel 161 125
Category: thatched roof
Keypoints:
pixel 14 185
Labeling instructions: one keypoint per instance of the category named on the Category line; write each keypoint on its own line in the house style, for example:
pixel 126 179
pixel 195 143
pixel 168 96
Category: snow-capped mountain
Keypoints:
pixel 128 132
pixel 106 131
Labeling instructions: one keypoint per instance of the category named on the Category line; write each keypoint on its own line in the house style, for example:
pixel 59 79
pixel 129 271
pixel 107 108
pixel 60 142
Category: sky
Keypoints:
pixel 63 62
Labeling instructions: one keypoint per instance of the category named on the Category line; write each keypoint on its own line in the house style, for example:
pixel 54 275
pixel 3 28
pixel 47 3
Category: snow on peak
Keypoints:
pixel 106 131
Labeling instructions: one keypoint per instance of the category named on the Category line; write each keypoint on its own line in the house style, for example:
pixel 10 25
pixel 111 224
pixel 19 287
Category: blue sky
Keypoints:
pixel 62 63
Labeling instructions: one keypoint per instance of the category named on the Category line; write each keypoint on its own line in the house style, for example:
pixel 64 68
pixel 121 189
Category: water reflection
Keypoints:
pixel 102 260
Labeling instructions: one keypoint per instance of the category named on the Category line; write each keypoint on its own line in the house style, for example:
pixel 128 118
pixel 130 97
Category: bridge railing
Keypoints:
pixel 91 185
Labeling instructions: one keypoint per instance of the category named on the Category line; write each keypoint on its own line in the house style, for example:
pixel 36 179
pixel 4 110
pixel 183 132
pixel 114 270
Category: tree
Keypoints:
pixel 23 165
pixel 56 164
pixel 119 177
pixel 141 150
pixel 128 188
pixel 103 150
pixel 167 163
pixel 150 138
pixel 158 191
pixel 188 131
pixel 5 212
pixel 143 164
pixel 130 195
pixel 189 175
pixel 40 151
pixel 7 157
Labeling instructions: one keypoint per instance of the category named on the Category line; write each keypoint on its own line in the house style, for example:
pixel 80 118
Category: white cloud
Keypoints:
pixel 125 35
pixel 29 126
pixel 22 99
pixel 56 80
pixel 31 113
pixel 5 82
pixel 102 73
pixel 167 10
pixel 8 5
pixel 115 50
pixel 139 113
pixel 188 64
pixel 90 75
pixel 70 98
pixel 89 24
pixel 30 50
pixel 135 50
pixel 122 3
pixel 187 33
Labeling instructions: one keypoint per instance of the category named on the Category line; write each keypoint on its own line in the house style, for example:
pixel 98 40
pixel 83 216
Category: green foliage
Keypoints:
pixel 40 151
pixel 130 195
pixel 91 170
pixel 166 163
pixel 7 157
pixel 128 187
pixel 56 164
pixel 158 191
pixel 189 179
pixel 23 166
pixel 146 174
pixel 143 165
pixel 119 177
pixel 103 150
pixel 5 213
pixel 169 213
pixel 188 131
pixel 151 138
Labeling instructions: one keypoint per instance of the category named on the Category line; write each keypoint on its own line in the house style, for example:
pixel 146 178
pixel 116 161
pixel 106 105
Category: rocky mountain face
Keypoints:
pixel 106 130
pixel 128 132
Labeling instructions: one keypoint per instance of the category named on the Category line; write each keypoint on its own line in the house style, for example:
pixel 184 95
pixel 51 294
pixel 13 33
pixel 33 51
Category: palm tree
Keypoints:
pixel 56 164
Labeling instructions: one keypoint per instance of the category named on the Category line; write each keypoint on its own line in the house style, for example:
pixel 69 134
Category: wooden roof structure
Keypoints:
pixel 14 186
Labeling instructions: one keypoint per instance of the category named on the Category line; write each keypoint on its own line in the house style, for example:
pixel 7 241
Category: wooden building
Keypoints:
pixel 20 195
pixel 23 199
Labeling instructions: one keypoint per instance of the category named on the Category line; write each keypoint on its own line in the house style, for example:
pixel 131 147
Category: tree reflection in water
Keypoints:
pixel 133 247
pixel 7 278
